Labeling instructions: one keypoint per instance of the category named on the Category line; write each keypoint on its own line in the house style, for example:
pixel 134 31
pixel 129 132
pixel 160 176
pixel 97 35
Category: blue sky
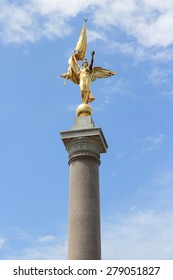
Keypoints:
pixel 133 108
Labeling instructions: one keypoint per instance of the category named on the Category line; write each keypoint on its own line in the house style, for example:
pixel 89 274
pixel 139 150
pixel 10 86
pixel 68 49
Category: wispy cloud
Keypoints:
pixel 155 140
pixel 145 231
pixel 45 247
pixel 20 244
pixel 140 52
pixel 120 155
pixel 159 76
pixel 168 94
pixel 112 89
pixel 150 143
pixel 2 241
pixel 164 182
pixel 47 238
pixel 140 235
pixel 56 251
pixel 70 108
pixel 95 35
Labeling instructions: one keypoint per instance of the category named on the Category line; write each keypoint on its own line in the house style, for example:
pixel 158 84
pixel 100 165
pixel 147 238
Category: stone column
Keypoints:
pixel 84 144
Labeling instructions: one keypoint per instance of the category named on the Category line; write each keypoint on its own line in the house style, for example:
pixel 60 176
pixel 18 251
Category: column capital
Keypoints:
pixel 87 142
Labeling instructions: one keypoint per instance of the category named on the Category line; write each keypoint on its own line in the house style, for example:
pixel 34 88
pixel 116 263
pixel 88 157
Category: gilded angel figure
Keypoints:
pixel 85 75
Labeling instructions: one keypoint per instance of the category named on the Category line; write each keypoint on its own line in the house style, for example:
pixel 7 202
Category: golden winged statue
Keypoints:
pixel 85 75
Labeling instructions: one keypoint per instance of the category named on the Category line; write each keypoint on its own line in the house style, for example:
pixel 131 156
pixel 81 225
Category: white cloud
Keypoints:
pixel 30 22
pixel 139 235
pixel 44 248
pixel 162 79
pixel 115 88
pixel 139 52
pixel 120 155
pixel 147 25
pixel 164 183
pixel 168 94
pixel 66 8
pixel 111 90
pixel 93 35
pixel 155 140
pixel 159 76
pixel 140 19
pixel 54 252
pixel 47 238
pixel 2 241
pixel 24 245
pixel 70 108
pixel 150 143
pixel 164 54
pixel 19 26
pixel 34 19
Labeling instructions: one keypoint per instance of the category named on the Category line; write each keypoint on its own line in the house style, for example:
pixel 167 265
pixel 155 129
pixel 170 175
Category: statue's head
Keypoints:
pixel 85 62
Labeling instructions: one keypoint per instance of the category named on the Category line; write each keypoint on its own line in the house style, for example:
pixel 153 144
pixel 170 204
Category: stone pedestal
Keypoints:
pixel 84 143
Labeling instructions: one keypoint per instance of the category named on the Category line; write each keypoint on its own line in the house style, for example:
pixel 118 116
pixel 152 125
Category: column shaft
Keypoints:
pixel 84 210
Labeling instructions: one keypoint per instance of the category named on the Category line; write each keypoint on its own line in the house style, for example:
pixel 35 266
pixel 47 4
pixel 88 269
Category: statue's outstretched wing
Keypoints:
pixel 99 72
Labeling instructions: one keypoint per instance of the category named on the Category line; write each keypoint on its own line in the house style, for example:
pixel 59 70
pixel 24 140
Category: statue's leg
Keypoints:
pixel 86 97
pixel 90 97
pixel 83 96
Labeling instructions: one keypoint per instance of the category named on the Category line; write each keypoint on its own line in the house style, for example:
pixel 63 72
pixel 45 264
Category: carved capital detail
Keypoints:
pixel 83 147
pixel 88 142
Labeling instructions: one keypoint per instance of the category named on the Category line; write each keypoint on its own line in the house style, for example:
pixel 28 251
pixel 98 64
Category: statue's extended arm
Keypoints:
pixel 92 60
